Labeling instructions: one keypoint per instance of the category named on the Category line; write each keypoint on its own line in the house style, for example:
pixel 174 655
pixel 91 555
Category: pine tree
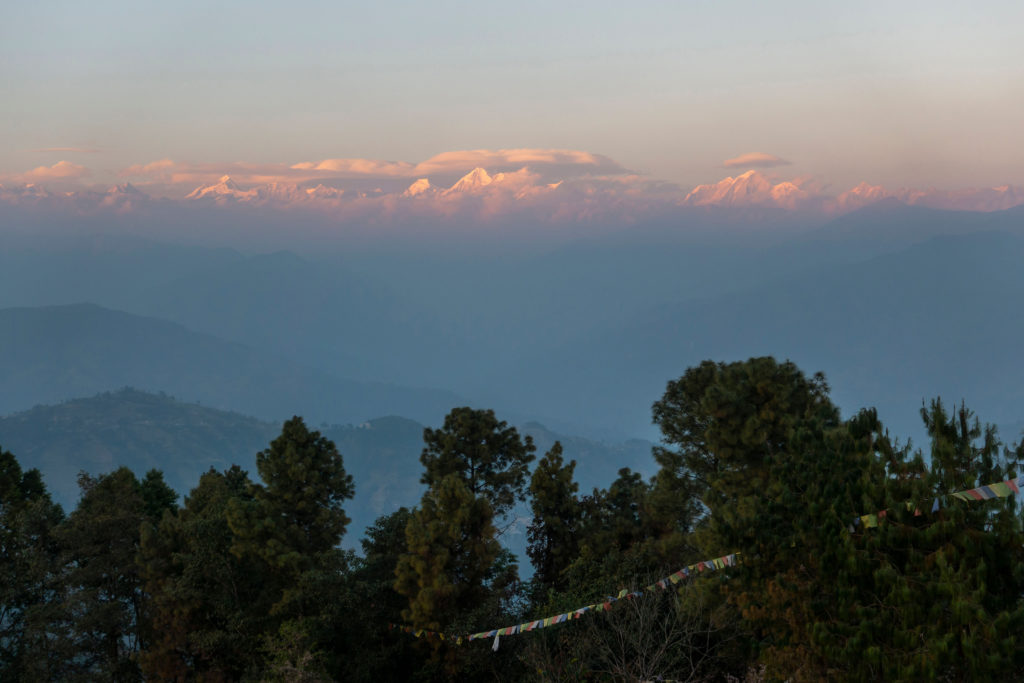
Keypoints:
pixel 556 517
pixel 206 609
pixel 752 436
pixel 292 524
pixel 486 454
pixel 296 514
pixel 457 579
pixel 450 554
pixel 107 606
pixel 939 594
pixel 30 569
pixel 370 604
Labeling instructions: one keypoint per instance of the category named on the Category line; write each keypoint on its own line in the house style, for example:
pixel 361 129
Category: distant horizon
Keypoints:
pixel 550 185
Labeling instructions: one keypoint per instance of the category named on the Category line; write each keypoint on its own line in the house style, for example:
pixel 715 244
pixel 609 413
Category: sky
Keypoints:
pixel 901 94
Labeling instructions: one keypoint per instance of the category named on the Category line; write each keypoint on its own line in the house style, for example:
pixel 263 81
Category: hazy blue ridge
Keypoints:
pixel 49 354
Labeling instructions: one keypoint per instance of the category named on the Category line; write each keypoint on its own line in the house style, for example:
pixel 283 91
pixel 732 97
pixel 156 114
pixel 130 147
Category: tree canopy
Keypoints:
pixel 485 453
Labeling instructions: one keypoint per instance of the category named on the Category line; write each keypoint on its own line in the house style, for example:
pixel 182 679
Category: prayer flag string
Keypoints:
pixel 603 606
pixel 1001 489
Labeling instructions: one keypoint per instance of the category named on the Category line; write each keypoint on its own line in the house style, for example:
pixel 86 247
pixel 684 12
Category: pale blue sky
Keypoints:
pixel 911 93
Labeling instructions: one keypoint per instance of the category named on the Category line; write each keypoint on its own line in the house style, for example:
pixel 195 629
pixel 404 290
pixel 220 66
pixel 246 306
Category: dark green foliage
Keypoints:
pixel 454 574
pixel 106 605
pixel 296 514
pixel 369 603
pixel 617 539
pixel 920 597
pixel 556 518
pixel 938 596
pixel 206 609
pixel 780 480
pixel 157 496
pixel 244 580
pixel 486 454
pixel 290 527
pixel 29 574
pixel 450 554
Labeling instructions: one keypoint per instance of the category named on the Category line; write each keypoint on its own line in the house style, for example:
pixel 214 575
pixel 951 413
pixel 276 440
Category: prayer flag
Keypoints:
pixel 1000 489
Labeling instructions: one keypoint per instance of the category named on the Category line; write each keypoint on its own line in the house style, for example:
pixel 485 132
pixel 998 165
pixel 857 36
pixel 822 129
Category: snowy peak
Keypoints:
pixel 225 188
pixel 749 189
pixel 474 181
pixel 322 191
pixel 417 188
pixel 276 193
pixel 862 195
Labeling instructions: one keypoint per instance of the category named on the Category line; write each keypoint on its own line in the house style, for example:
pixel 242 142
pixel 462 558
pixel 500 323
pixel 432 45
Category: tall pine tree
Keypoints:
pixel 292 524
pixel 556 517
pixel 485 453
pixel 30 575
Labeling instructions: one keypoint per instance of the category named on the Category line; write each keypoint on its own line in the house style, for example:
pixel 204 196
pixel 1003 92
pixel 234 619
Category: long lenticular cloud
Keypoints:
pixel 570 161
pixel 755 160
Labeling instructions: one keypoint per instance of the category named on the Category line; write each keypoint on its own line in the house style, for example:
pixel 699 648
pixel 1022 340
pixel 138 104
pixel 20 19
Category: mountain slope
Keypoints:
pixel 135 429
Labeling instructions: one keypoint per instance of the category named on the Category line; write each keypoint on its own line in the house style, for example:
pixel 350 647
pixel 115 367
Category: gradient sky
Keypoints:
pixel 897 93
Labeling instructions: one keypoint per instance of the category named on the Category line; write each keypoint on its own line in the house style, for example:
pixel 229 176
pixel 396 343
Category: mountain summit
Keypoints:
pixel 474 181
pixel 417 188
pixel 224 188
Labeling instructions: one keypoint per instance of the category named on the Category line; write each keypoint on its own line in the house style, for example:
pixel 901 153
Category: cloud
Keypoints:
pixel 358 168
pixel 71 150
pixel 564 162
pixel 161 167
pixel 62 170
pixel 755 160
pixel 512 159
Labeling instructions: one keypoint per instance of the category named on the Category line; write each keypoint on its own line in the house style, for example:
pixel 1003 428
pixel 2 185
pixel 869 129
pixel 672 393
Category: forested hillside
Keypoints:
pixel 142 431
pixel 776 540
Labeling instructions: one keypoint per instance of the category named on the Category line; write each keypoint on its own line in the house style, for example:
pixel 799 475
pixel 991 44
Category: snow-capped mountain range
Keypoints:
pixel 505 189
